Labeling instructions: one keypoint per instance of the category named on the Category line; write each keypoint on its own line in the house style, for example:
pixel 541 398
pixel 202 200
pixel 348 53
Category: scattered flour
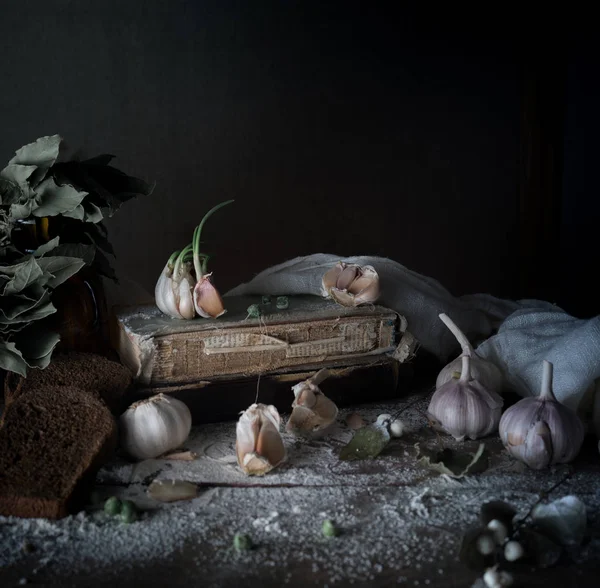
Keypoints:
pixel 399 522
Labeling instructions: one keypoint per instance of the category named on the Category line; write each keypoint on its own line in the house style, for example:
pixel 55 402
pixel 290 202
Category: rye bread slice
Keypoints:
pixel 52 443
pixel 94 373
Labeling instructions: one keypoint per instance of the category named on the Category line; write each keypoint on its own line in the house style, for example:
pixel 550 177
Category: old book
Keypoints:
pixel 311 332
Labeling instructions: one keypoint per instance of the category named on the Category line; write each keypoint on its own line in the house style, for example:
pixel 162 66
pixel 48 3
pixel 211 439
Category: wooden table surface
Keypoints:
pixel 401 523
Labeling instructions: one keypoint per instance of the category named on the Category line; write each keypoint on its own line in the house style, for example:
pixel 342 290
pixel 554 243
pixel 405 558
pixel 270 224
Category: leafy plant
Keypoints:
pixel 69 200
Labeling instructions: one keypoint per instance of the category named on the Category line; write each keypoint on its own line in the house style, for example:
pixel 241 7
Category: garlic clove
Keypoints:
pixel 342 297
pixel 259 446
pixel 537 449
pixel 164 294
pixel 365 287
pixel 207 300
pixel 152 427
pixel 185 297
pixel 312 412
pixel 330 278
pixel 350 284
pixel 347 276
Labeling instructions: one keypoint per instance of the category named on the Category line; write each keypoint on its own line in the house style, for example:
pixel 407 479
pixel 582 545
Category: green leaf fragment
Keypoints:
pixel 11 358
pixel 128 513
pixel 329 529
pixel 282 302
pixel 21 275
pixel 54 199
pixel 112 506
pixel 46 247
pixel 60 268
pixel 242 542
pixel 366 443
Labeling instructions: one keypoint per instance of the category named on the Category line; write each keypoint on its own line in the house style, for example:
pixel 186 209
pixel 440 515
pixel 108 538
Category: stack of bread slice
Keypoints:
pixel 56 430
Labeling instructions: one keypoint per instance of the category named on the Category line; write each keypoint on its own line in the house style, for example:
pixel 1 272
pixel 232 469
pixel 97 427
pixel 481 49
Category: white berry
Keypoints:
pixel 499 529
pixel 497 579
pixel 397 428
pixel 485 545
pixel 513 550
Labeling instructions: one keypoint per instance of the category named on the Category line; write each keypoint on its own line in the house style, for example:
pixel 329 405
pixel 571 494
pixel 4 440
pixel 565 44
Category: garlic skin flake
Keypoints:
pixel 351 284
pixel 259 446
pixel 149 428
pixel 541 431
pixel 312 412
pixel 464 407
pixel 484 371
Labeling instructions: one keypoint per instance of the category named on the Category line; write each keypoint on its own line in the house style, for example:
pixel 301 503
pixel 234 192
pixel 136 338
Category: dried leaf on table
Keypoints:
pixel 181 456
pixel 453 463
pixel 172 490
pixel 367 442
pixel 564 520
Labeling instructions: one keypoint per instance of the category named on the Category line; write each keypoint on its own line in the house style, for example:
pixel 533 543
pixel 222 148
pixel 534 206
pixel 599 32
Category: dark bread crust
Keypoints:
pixel 52 443
pixel 94 373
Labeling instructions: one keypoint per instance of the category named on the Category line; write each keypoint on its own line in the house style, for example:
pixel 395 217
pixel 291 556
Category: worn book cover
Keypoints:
pixel 311 332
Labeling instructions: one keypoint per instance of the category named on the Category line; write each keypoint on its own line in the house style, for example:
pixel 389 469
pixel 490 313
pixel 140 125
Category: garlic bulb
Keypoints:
pixel 154 426
pixel 351 284
pixel 464 407
pixel 313 413
pixel 541 431
pixel 484 371
pixel 181 295
pixel 259 445
pixel 173 291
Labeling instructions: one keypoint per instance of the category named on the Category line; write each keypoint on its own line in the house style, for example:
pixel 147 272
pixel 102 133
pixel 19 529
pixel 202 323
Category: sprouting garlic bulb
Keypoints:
pixel 351 284
pixel 181 294
pixel 464 407
pixel 484 371
pixel 541 431
pixel 259 446
pixel 312 412
pixel 149 428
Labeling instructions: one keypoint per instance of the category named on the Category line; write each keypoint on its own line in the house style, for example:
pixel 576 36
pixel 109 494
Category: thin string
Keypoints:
pixel 257 385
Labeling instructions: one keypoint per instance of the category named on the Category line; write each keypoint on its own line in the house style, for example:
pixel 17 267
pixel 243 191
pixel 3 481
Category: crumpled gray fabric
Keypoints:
pixel 529 336
pixel 528 330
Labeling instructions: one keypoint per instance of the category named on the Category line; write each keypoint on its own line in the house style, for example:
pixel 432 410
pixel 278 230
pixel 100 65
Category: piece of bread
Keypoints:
pixel 97 374
pixel 52 443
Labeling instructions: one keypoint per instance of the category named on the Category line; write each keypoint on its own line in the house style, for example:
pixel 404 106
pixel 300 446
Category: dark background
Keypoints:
pixel 461 145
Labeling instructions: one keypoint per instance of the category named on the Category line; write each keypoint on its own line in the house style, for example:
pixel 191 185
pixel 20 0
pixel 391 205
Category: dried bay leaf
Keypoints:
pixel 453 463
pixel 172 490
